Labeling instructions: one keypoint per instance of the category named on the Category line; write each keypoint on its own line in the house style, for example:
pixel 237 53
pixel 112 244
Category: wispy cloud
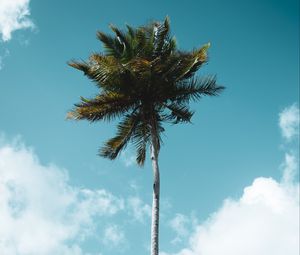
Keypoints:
pixel 113 236
pixel 290 168
pixel 138 209
pixel 289 122
pixel 41 213
pixel 263 221
pixel 14 15
pixel 128 158
pixel 182 225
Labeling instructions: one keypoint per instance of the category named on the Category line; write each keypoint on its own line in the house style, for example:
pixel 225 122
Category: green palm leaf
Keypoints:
pixel 144 80
pixel 115 145
pixel 106 106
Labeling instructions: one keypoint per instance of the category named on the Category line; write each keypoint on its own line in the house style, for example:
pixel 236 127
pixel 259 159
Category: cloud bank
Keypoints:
pixel 264 220
pixel 41 213
pixel 14 15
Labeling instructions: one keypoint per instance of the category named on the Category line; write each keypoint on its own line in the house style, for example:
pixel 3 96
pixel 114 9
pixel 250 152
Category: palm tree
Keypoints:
pixel 143 81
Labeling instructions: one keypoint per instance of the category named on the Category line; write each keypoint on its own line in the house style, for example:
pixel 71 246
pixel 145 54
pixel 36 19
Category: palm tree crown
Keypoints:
pixel 143 80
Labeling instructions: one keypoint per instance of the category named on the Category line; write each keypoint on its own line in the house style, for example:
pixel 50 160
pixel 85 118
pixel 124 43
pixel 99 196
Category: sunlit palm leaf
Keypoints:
pixel 106 106
pixel 144 79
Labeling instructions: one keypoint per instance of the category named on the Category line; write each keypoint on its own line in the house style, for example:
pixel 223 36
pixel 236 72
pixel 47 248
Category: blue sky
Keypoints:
pixel 247 137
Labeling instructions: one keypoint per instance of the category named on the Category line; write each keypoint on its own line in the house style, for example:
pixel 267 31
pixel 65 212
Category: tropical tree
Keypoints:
pixel 143 81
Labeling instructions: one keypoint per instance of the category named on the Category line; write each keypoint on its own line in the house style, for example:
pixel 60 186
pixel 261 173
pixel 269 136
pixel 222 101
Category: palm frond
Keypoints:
pixel 127 40
pixel 178 65
pixel 200 59
pixel 111 45
pixel 141 153
pixel 141 138
pixel 120 35
pixel 194 89
pixel 106 107
pixel 82 66
pixel 161 34
pixel 131 31
pixel 168 48
pixel 104 70
pixel 208 86
pixel 110 75
pixel 115 145
pixel 179 113
pixel 183 65
pixel 145 46
pixel 144 80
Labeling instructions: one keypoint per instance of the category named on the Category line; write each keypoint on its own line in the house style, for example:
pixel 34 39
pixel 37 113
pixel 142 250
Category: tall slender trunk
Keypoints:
pixel 155 203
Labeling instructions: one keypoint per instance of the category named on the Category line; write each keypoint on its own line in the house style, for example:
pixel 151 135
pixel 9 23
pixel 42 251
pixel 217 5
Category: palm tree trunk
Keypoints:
pixel 155 203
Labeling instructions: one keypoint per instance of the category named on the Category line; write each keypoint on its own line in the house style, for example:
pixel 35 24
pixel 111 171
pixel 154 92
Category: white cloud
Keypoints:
pixel 128 158
pixel 178 224
pixel 113 236
pixel 138 209
pixel 134 186
pixel 41 213
pixel 263 221
pixel 289 122
pixel 14 15
pixel 290 167
pixel 182 225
